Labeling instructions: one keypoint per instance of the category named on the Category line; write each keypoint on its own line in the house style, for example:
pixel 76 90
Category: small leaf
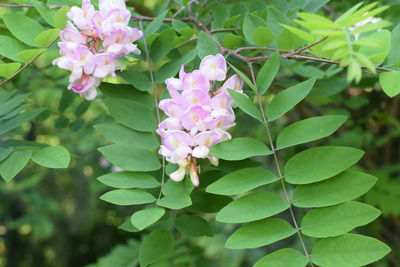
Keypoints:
pixel 260 233
pixel 337 220
pixel 262 36
pixel 193 226
pixel 45 38
pixel 12 165
pixel 129 180
pixel 208 203
pixel 252 207
pixel 131 158
pixel 320 163
pixel 283 258
pixel 241 181
pixel 8 69
pixel 245 104
pixel 333 191
pixel 240 148
pixel 206 45
pixel 348 250
pixel 131 114
pixel 52 157
pixel 18 120
pixel 177 194
pixel 302 34
pixel 267 73
pixel 138 79
pixel 154 246
pixel 144 218
pixel 60 17
pixel 5 152
pixel 162 45
pixel 390 82
pixel 29 54
pixel 309 130
pixel 155 24
pixel 18 25
pixel 125 197
pixel 9 47
pixel 250 23
pixel 287 99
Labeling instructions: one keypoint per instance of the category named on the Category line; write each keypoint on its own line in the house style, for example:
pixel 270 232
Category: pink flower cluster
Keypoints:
pixel 94 41
pixel 198 116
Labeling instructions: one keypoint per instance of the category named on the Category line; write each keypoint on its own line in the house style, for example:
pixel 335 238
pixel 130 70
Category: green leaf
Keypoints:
pixel 132 114
pixel 309 130
pixel 283 258
pixel 302 34
pixel 120 134
pixel 144 218
pixel 240 148
pixel 390 82
pixel 320 163
pixel 131 158
pixel 260 233
pixel 262 36
pixel 348 250
pixel 125 197
pixel 171 69
pixel 138 79
pixel 250 23
pixel 12 103
pixel 5 151
pixel 377 54
pixel 337 220
pixel 206 45
pixel 241 181
pixel 129 180
pixel 18 120
pixel 155 24
pixel 60 17
pixel 267 73
pixel 252 207
pixel 232 41
pixel 9 47
pixel 12 165
pixel 18 25
pixel 208 203
pixel 154 246
pixel 29 54
pixel 288 98
pixel 45 38
pixel 245 104
pixel 45 13
pixel 8 69
pixel 190 225
pixel 52 157
pixel 177 194
pixel 343 187
pixel 162 45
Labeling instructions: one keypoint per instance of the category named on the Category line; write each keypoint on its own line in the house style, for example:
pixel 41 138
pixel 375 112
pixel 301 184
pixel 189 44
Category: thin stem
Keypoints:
pixel 271 143
pixel 153 83
pixel 27 64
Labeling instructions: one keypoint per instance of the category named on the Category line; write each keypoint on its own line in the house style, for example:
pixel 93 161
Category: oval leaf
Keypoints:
pixel 260 233
pixel 283 258
pixel 390 82
pixel 126 197
pixel 267 73
pixel 13 164
pixel 129 180
pixel 240 148
pixel 131 158
pixel 343 187
pixel 337 220
pixel 348 250
pixel 193 226
pixel 241 181
pixel 320 163
pixel 287 99
pixel 18 25
pixel 252 207
pixel 144 218
pixel 52 157
pixel 245 104
pixel 309 130
pixel 154 246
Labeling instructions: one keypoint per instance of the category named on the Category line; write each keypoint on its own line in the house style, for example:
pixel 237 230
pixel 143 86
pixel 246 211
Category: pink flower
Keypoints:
pixel 234 83
pixel 198 117
pixel 214 67
pixel 92 44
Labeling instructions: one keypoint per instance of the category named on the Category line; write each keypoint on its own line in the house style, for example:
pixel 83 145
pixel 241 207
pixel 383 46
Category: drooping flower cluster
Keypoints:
pixel 198 115
pixel 94 41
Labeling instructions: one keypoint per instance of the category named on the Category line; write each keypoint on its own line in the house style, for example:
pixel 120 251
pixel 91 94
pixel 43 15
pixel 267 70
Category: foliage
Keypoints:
pixel 292 187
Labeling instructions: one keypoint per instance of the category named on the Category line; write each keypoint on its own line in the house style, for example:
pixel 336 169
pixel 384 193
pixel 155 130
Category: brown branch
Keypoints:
pixel 27 64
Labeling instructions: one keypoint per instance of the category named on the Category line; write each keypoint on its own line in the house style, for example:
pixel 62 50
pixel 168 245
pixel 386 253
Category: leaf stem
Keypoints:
pixel 276 160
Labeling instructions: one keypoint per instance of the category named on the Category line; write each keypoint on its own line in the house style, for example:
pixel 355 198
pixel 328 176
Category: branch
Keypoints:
pixel 27 64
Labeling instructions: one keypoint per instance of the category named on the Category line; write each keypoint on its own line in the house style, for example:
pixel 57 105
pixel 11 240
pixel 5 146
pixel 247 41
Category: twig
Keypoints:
pixel 27 64
pixel 280 173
